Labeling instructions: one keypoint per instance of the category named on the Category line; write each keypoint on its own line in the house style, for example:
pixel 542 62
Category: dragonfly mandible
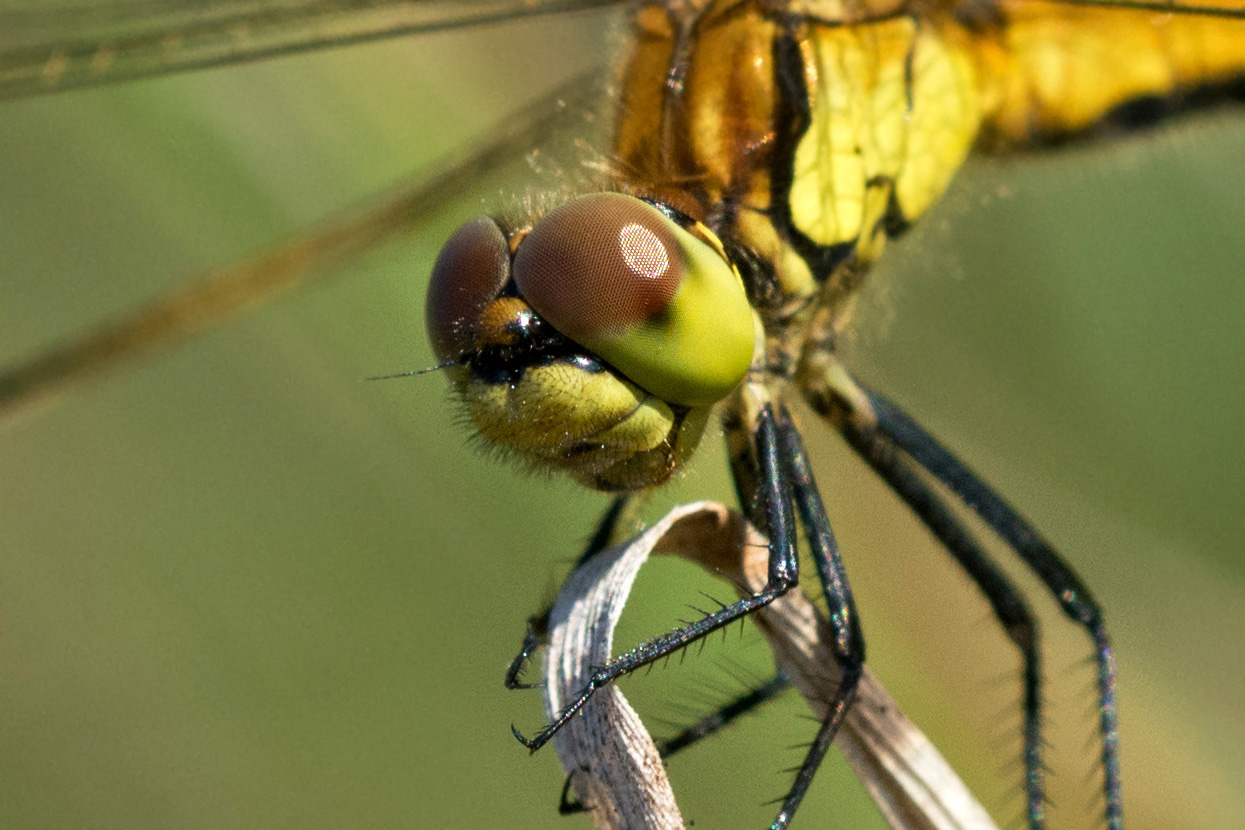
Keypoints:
pixel 128 531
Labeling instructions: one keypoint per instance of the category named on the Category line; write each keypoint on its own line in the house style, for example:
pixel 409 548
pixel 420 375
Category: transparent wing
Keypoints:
pixel 219 295
pixel 47 49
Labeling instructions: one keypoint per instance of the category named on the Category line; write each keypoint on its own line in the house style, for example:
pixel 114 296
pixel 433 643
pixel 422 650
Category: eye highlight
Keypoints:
pixel 643 251
pixel 662 305
pixel 599 265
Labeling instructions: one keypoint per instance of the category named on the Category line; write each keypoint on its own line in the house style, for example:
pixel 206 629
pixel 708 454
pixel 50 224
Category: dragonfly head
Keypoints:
pixel 594 342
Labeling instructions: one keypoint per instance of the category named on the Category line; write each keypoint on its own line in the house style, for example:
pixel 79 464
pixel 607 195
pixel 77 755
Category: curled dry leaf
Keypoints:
pixel 615 767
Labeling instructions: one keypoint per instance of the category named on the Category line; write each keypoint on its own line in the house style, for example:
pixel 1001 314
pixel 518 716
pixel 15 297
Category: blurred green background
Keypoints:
pixel 240 588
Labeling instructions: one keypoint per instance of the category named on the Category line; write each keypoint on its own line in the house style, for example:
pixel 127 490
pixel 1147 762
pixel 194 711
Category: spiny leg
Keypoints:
pixel 848 641
pixel 706 726
pixel 778 467
pixel 848 644
pixel 710 724
pixel 1065 586
pixel 537 633
pixel 783 575
pixel 1006 601
pixel 725 715
pixel 882 433
pixel 538 624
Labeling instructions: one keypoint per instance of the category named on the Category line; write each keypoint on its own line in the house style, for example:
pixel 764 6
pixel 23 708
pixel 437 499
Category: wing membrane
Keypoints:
pixel 46 49
pixel 57 48
pixel 220 295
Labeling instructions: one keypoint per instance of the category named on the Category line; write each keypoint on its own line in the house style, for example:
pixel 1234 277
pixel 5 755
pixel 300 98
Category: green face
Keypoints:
pixel 599 345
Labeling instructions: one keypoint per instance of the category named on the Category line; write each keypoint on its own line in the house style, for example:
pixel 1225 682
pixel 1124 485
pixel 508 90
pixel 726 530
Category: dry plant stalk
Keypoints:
pixel 615 767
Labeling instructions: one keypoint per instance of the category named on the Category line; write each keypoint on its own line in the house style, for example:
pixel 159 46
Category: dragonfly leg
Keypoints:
pixel 783 575
pixel 848 644
pixel 1065 586
pixel 898 449
pixel 1006 600
pixel 538 624
pixel 534 638
pixel 725 715
pixel 706 726
pixel 568 806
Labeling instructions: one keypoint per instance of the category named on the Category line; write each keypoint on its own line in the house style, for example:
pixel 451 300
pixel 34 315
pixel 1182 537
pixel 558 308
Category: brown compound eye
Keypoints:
pixel 660 303
pixel 599 265
pixel 470 272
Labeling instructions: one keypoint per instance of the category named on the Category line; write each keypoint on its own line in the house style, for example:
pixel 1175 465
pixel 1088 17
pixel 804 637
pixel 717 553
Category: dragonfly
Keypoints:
pixel 137 472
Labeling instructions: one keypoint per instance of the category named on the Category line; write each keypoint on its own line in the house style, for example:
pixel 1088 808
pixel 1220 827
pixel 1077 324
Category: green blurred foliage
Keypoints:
pixel 240 588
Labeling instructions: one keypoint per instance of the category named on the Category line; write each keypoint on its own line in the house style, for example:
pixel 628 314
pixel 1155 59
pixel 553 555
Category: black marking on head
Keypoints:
pixel 535 344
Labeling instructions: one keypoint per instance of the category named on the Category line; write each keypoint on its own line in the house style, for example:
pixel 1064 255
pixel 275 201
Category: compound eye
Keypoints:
pixel 622 279
pixel 598 265
pixel 470 272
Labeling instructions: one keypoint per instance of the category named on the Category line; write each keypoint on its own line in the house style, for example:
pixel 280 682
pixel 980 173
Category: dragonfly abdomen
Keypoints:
pixel 1058 72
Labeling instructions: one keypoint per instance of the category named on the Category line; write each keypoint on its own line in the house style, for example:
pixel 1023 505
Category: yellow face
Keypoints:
pixel 595 342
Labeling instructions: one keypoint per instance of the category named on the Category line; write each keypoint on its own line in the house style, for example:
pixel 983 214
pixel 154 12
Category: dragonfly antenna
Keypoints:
pixel 414 372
